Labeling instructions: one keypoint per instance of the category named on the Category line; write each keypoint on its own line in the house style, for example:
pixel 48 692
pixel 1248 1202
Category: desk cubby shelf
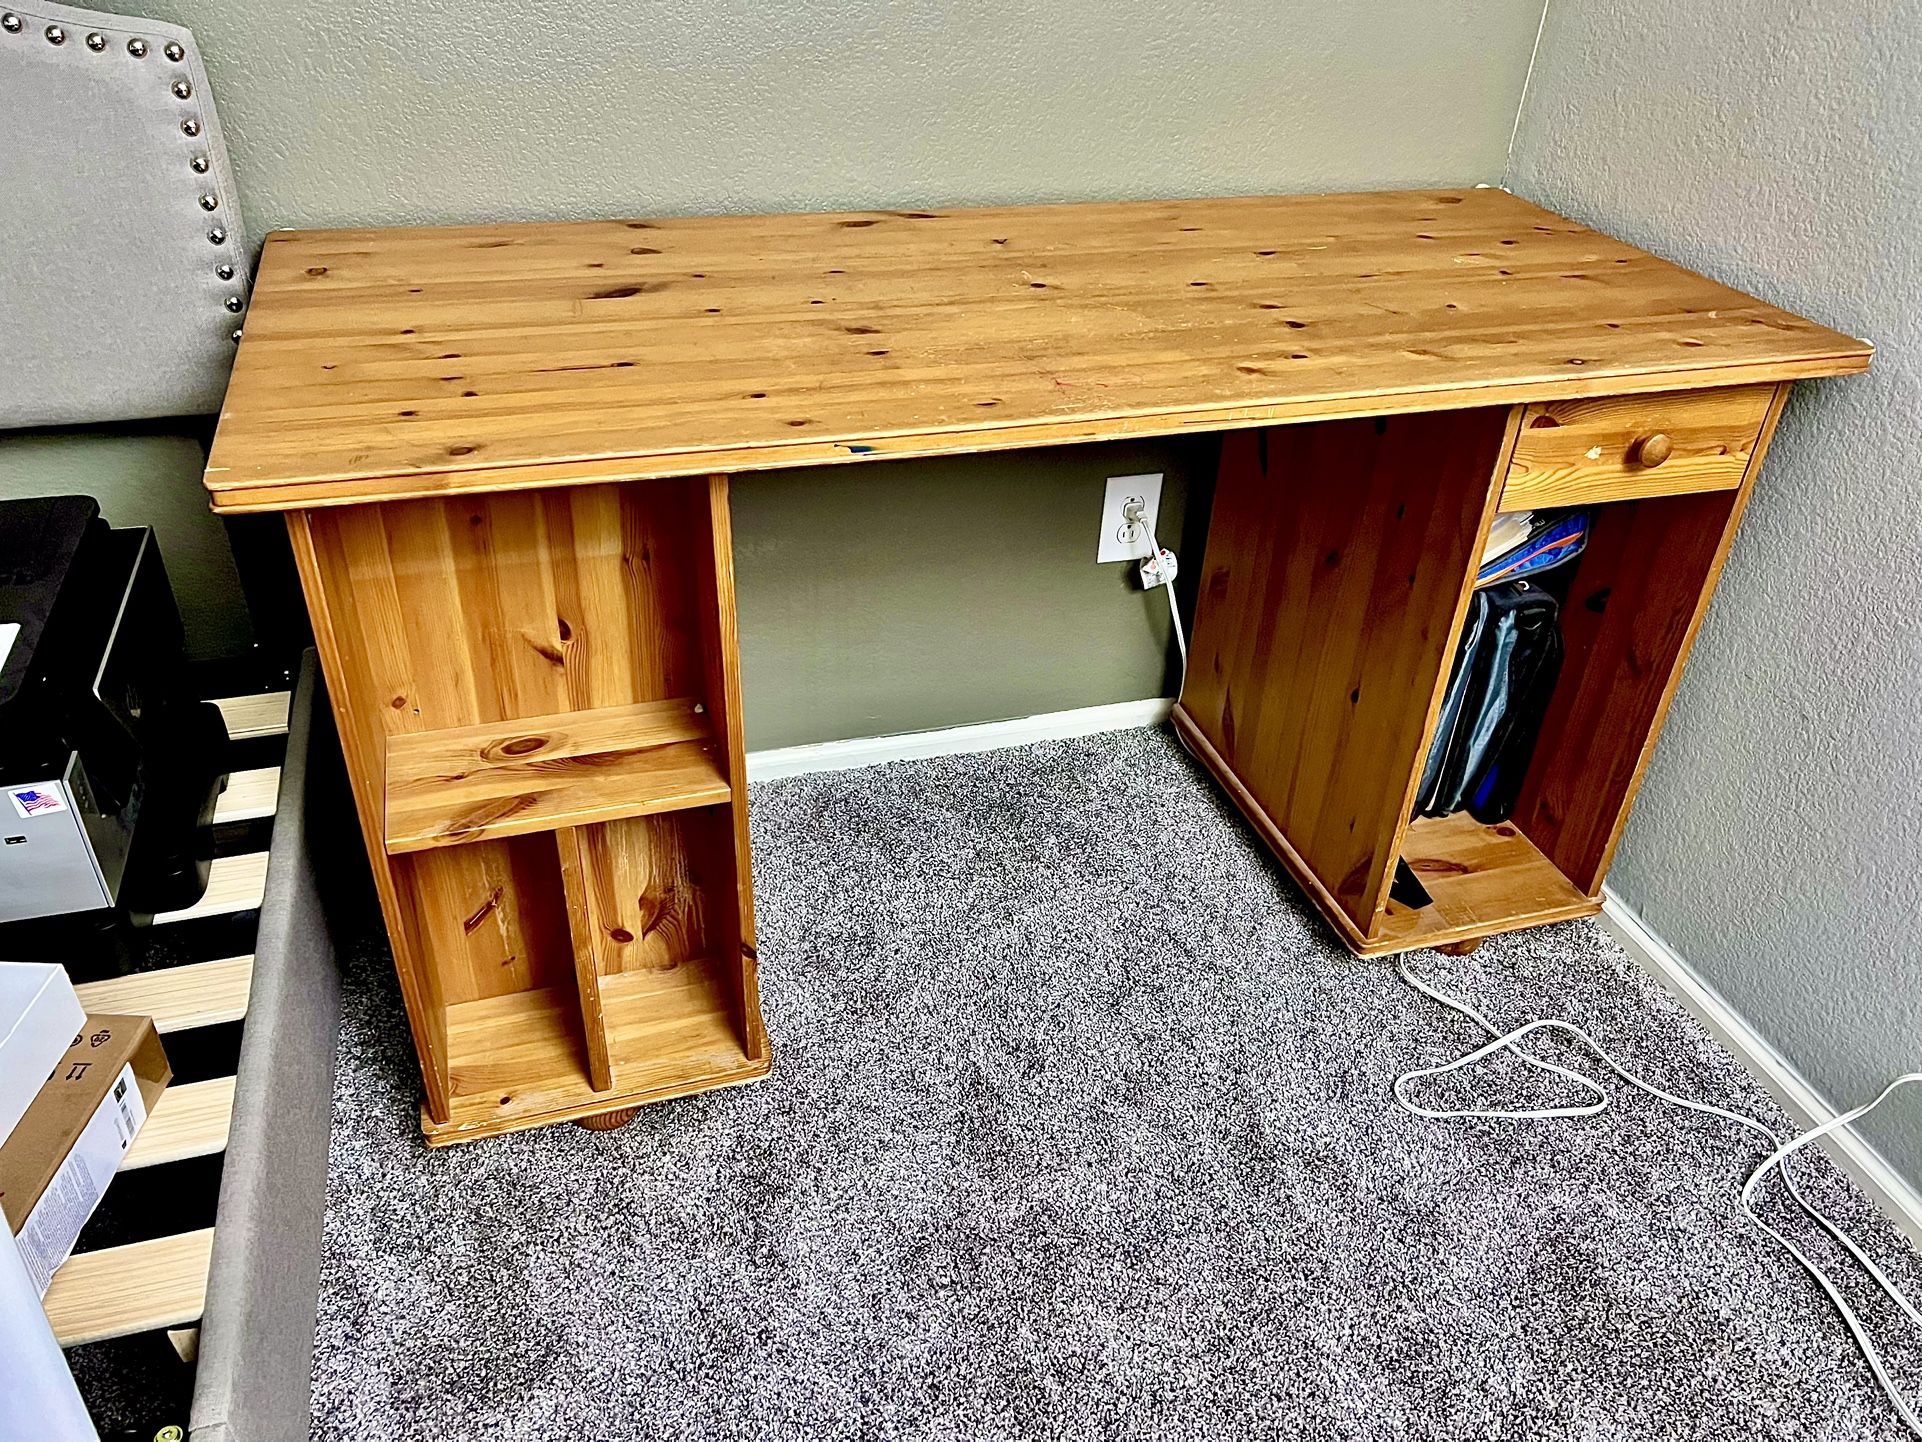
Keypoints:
pixel 539 699
pixel 519 1057
pixel 542 773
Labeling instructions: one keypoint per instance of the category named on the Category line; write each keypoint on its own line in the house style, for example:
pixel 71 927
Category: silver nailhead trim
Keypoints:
pixel 10 23
pixel 217 235
pixel 224 271
pixel 190 127
pixel 137 48
pixel 56 36
pixel 183 90
pixel 199 164
pixel 235 304
pixel 96 41
pixel 236 337
pixel 210 202
pixel 173 51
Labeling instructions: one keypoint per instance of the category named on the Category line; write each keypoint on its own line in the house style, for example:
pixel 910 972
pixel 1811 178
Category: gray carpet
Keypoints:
pixel 1077 1134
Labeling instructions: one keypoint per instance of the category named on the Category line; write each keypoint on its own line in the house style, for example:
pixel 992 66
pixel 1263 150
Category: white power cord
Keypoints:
pixel 1181 641
pixel 1158 569
pixel 1599 1099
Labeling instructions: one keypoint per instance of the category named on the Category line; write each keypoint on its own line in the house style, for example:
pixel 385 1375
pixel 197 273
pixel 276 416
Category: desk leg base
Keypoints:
pixel 579 940
pixel 473 1124
pixel 608 1121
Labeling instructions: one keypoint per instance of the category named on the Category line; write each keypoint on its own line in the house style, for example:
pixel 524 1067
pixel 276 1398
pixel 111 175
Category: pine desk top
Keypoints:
pixel 379 364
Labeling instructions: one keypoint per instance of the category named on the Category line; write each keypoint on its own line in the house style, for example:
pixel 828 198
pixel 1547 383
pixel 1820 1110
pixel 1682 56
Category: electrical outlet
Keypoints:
pixel 1122 539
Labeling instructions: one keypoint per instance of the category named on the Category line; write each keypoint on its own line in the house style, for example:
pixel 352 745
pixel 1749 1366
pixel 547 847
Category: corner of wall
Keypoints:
pixel 1521 100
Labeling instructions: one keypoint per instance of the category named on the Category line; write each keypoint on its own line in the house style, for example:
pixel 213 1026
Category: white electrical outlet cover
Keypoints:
pixel 1118 543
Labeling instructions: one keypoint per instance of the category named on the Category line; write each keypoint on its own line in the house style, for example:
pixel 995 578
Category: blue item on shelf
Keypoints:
pixel 1554 542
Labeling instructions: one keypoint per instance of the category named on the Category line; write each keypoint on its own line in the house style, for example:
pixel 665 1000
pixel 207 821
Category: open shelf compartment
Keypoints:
pixel 518 1060
pixel 1481 878
pixel 541 773
pixel 1630 607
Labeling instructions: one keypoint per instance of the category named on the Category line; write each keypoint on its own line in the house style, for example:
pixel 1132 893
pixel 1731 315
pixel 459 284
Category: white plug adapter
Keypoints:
pixel 1159 569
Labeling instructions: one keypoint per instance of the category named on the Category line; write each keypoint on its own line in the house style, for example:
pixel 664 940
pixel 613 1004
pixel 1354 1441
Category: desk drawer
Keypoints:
pixel 1620 448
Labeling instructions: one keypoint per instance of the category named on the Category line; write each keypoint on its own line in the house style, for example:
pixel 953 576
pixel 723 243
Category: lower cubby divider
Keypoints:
pixel 650 1006
pixel 576 846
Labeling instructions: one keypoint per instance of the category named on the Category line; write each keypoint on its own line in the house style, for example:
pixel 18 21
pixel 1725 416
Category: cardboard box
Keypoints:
pixel 56 1166
pixel 39 1015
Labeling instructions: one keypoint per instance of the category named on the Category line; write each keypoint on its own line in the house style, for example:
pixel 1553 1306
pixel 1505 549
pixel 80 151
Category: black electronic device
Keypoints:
pixel 109 767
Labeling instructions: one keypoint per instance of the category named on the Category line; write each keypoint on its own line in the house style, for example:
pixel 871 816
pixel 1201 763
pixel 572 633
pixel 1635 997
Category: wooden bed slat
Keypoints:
pixel 250 717
pixel 236 885
pixel 205 993
pixel 190 1120
pixel 119 1291
pixel 250 795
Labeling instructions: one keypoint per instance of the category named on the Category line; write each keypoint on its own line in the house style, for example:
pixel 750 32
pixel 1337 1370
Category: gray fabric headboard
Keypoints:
pixel 126 262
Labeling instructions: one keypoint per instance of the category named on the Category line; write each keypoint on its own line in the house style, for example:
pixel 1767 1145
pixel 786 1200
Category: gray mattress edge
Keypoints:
pixel 254 1378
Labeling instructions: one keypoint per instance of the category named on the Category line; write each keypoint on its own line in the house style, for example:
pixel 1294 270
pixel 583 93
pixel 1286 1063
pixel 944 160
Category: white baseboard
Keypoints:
pixel 1845 1147
pixel 955 740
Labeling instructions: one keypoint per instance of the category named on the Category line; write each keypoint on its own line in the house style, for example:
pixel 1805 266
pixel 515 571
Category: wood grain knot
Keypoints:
pixel 485 910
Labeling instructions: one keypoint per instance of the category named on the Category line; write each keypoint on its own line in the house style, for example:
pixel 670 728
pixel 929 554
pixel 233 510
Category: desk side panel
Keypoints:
pixel 1339 560
pixel 727 851
pixel 362 745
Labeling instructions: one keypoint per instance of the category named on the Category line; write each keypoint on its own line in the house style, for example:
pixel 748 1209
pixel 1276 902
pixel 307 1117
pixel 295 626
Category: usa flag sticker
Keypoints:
pixel 36 800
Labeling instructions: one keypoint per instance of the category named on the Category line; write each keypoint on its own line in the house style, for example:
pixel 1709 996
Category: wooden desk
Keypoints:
pixel 503 451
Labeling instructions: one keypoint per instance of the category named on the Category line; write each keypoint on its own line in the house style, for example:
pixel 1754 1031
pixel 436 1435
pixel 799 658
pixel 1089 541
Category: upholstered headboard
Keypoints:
pixel 126 263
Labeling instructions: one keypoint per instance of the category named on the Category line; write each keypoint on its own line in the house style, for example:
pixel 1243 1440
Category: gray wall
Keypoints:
pixel 936 593
pixel 1778 841
pixel 368 112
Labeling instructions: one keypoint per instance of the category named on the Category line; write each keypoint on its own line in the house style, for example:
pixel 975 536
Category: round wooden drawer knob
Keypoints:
pixel 1653 450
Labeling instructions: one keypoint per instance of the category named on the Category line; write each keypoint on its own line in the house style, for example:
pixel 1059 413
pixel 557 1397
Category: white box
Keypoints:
pixel 46 1238
pixel 33 1372
pixel 39 1018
